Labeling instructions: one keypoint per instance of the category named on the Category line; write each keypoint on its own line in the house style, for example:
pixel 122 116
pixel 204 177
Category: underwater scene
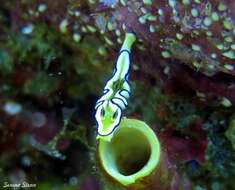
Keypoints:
pixel 117 94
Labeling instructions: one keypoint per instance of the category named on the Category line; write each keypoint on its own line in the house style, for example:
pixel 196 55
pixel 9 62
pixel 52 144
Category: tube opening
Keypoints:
pixel 132 154
pixel 131 150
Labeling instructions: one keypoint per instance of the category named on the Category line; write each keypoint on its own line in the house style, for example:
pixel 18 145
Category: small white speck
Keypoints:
pixel 165 54
pixel 213 55
pixel 200 94
pixel 76 37
pixel 151 28
pixel 195 47
pixel 166 70
pixel 42 7
pixel 233 46
pixel 77 13
pixel 123 2
pixel 226 102
pixel 160 12
pixel 12 108
pixel 172 3
pixel 147 2
pixel 135 67
pixel 28 29
pixel 63 26
pixel 228 67
pixel 117 32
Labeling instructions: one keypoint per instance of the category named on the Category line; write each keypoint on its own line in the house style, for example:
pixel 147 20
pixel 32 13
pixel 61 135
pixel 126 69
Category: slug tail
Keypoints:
pixel 130 38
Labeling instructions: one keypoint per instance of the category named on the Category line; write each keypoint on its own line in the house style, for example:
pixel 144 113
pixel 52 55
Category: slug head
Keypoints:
pixel 108 116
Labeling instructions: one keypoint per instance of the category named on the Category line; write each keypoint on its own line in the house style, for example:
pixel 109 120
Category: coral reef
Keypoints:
pixel 198 34
pixel 203 31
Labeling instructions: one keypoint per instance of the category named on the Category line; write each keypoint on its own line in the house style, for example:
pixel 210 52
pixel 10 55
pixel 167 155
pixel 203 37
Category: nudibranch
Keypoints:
pixel 116 92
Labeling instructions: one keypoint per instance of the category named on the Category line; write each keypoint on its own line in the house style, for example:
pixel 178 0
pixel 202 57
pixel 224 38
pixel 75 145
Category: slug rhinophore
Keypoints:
pixel 115 94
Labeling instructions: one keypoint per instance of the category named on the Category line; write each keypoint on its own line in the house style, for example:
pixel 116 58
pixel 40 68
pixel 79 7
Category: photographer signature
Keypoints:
pixel 24 184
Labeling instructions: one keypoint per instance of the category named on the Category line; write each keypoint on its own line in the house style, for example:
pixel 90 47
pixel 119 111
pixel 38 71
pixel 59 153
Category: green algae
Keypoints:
pixel 230 132
pixel 41 85
pixel 6 62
